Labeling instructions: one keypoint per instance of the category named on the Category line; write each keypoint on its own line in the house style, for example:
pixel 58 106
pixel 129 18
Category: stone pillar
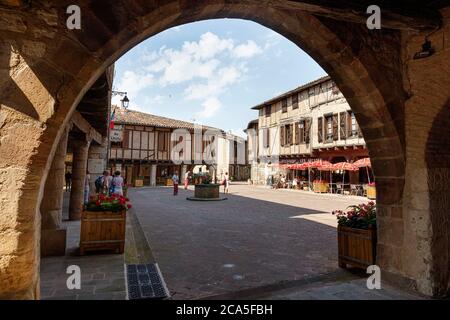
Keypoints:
pixel 183 172
pixel 79 167
pixel 96 163
pixel 153 175
pixel 53 237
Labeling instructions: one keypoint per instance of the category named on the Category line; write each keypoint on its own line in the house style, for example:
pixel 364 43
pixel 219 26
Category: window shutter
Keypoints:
pixel 307 130
pixel 267 137
pixel 342 131
pixel 296 133
pixel 282 134
pixel 320 129
pixel 284 107
pixel 291 134
pixel 349 124
pixel 335 127
pixel 126 139
pixel 295 101
pixel 360 135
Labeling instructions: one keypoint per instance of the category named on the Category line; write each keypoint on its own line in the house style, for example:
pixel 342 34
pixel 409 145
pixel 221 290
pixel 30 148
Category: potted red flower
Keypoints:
pixel 357 235
pixel 103 223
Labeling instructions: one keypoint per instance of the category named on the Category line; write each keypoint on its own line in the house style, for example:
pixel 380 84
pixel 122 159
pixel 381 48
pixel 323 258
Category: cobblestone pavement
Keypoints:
pixel 102 275
pixel 258 237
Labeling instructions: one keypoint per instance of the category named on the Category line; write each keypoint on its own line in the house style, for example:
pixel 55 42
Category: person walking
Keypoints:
pixel 186 179
pixel 176 181
pixel 226 182
pixel 68 177
pixel 117 184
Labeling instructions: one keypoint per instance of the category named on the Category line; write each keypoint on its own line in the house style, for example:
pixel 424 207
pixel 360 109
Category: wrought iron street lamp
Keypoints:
pixel 125 101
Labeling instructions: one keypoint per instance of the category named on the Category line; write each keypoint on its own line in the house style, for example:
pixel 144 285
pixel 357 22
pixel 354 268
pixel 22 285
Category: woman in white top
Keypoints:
pixel 117 184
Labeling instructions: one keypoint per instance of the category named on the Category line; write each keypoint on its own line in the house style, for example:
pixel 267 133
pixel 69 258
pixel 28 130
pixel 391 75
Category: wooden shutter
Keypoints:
pixel 125 139
pixel 291 134
pixel 295 101
pixel 267 135
pixel 360 135
pixel 282 135
pixel 161 141
pixel 268 110
pixel 307 130
pixel 284 105
pixel 297 132
pixel 335 127
pixel 320 129
pixel 349 124
pixel 342 121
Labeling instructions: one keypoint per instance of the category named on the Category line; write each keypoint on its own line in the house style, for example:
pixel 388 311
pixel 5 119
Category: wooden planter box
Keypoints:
pixel 138 183
pixel 104 230
pixel 371 192
pixel 357 247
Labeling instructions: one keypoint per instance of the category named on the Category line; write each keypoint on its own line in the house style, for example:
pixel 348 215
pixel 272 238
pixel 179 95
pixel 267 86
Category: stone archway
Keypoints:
pixel 47 69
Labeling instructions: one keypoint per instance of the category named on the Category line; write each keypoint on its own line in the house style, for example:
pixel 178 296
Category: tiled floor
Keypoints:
pixel 259 244
pixel 249 244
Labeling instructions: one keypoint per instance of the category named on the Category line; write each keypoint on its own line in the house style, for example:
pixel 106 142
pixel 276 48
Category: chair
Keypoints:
pixel 353 190
pixel 339 188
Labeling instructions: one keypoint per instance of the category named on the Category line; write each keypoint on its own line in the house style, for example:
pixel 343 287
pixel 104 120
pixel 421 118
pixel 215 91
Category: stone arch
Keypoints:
pixel 438 167
pixel 52 68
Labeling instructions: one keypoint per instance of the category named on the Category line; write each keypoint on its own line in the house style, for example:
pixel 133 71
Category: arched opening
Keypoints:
pixel 59 81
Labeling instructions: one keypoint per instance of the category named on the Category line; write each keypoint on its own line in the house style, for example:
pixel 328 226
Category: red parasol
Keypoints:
pixel 365 162
pixel 345 166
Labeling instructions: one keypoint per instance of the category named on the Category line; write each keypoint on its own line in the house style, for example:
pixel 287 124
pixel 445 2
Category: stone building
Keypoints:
pixel 395 79
pixel 311 122
pixel 151 148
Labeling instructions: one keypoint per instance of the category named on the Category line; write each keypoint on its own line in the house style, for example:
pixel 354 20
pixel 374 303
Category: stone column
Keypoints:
pixel 153 175
pixel 53 237
pixel 79 167
pixel 183 172
pixel 96 163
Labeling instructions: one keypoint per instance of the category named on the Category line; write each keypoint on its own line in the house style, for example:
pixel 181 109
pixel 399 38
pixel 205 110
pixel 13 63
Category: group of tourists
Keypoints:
pixel 104 184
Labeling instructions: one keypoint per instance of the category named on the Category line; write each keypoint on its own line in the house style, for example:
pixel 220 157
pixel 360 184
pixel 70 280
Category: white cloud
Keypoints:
pixel 208 68
pixel 133 82
pixel 224 78
pixel 210 108
pixel 247 50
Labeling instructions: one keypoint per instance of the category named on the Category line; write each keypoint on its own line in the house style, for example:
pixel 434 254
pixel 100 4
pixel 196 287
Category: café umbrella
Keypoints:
pixel 365 162
pixel 345 166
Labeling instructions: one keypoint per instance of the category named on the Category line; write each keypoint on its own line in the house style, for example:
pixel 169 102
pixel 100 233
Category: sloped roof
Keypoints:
pixel 291 92
pixel 133 117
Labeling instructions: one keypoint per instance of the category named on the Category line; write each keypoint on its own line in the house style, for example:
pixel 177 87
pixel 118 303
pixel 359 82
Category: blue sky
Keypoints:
pixel 212 72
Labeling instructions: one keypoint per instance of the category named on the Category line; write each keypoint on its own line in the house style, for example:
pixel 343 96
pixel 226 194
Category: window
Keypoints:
pixel 284 106
pixel 354 125
pixel 329 127
pixel 300 136
pixel 267 110
pixel 289 134
pixel 295 101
